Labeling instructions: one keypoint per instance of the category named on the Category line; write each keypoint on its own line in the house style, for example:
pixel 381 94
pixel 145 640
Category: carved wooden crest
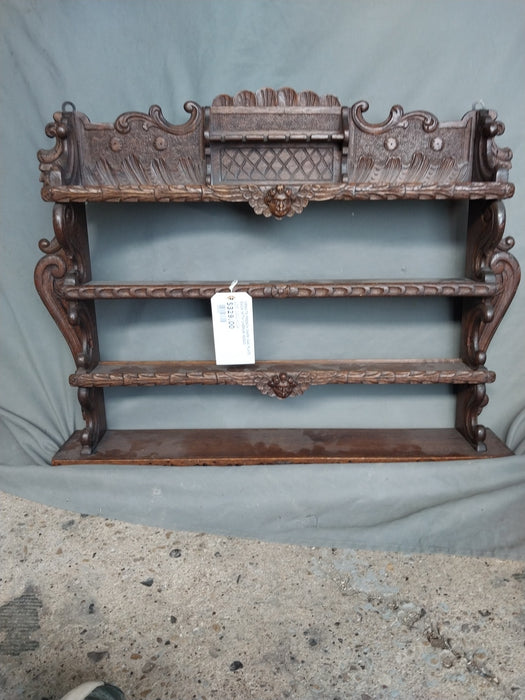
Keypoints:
pixel 278 150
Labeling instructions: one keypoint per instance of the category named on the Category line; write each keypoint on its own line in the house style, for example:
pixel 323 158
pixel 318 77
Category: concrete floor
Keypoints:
pixel 181 616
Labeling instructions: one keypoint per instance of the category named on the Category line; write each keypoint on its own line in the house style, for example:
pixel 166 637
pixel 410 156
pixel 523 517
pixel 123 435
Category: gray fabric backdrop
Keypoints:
pixel 119 55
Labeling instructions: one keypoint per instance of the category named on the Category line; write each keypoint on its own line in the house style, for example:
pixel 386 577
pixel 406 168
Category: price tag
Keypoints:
pixel 232 316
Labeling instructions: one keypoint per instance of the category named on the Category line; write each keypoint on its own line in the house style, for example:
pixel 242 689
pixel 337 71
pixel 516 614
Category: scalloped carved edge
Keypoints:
pixel 268 97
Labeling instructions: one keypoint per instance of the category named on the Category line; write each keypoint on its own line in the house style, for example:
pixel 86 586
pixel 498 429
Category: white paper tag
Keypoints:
pixel 232 315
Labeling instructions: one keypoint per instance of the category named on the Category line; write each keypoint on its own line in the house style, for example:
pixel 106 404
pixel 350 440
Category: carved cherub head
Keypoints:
pixel 279 200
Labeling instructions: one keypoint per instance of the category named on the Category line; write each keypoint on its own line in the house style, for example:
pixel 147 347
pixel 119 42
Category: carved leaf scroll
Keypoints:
pixel 396 118
pixel 155 118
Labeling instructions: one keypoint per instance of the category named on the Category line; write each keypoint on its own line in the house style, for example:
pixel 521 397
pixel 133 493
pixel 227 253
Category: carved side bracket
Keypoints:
pixel 488 260
pixel 60 165
pixel 470 401
pixel 490 161
pixel 67 262
pixel 94 413
pixel 507 270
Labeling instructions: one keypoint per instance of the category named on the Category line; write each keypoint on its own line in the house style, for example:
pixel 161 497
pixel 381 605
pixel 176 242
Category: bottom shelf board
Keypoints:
pixel 224 447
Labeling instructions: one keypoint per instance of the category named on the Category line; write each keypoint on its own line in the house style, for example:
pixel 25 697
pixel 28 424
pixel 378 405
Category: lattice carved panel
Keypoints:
pixel 275 164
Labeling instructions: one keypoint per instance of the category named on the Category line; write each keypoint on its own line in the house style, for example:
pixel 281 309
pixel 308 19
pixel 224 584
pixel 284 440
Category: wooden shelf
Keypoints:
pixel 296 376
pixel 276 446
pixel 203 193
pixel 289 289
pixel 278 151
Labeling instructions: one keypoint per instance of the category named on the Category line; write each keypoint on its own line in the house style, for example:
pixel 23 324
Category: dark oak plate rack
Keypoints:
pixel 277 151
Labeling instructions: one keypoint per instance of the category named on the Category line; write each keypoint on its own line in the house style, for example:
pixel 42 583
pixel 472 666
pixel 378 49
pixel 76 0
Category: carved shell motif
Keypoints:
pixel 268 97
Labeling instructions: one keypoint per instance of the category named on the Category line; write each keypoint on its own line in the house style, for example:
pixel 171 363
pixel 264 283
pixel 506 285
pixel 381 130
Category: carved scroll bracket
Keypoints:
pixel 507 271
pixel 485 232
pixel 471 399
pixel 476 316
pixel 93 411
pixel 491 162
pixel 489 261
pixel 67 262
pixel 60 165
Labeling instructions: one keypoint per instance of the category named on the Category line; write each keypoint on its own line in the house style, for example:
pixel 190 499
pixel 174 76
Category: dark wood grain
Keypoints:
pixel 277 446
